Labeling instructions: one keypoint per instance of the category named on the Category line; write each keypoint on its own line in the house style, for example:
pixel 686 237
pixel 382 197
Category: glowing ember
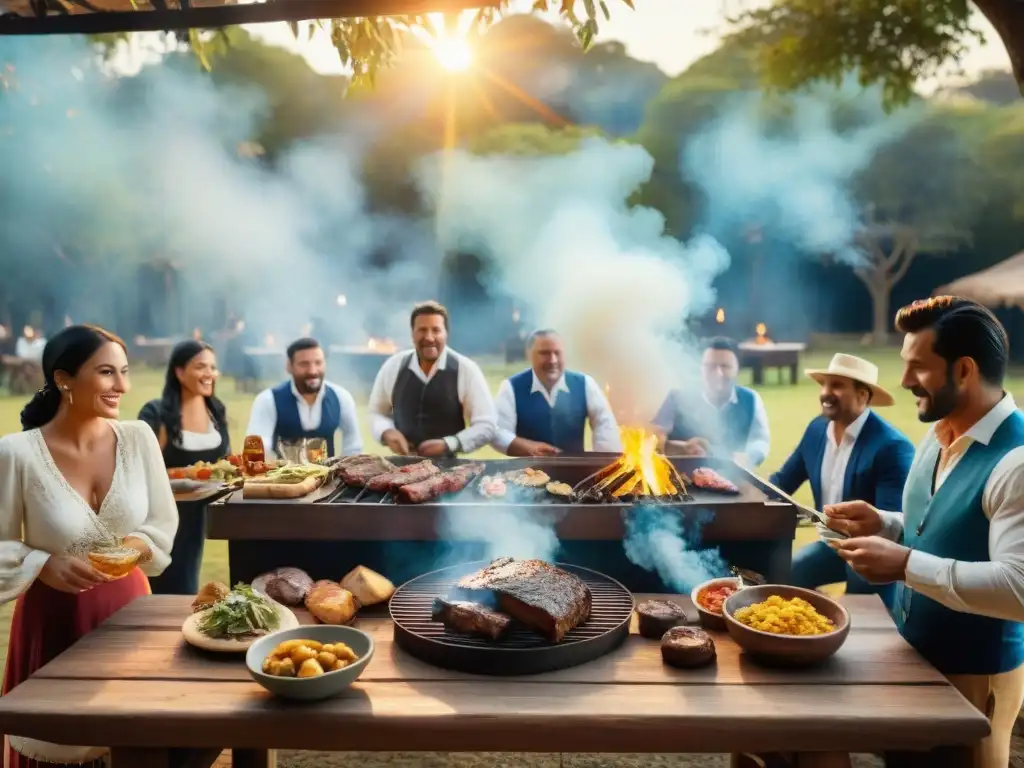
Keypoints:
pixel 641 470
pixel 384 346
pixel 762 334
pixel 720 315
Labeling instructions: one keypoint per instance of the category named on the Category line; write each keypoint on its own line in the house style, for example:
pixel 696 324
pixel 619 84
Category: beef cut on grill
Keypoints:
pixel 470 618
pixel 543 598
pixel 358 473
pixel 412 473
pixel 438 485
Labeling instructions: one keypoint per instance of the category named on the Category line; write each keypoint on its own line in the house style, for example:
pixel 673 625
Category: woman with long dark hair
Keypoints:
pixel 72 481
pixel 191 425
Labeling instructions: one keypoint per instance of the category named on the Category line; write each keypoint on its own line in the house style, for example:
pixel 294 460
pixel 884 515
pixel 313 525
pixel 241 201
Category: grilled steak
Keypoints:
pixel 687 647
pixel 413 473
pixel 438 485
pixel 709 480
pixel 359 472
pixel 470 618
pixel 546 599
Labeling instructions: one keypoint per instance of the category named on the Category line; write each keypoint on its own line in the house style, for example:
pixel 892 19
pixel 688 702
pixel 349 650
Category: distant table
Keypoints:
pixel 778 355
pixel 153 352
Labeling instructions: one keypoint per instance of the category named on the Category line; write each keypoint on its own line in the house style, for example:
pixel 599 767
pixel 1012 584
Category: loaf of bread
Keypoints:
pixel 331 603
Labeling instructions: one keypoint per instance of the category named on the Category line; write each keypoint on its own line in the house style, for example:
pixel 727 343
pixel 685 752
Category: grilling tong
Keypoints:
pixel 818 517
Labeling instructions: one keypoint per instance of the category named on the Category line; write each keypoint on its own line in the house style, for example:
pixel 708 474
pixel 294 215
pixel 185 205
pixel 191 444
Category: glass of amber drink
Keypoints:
pixel 115 562
pixel 316 450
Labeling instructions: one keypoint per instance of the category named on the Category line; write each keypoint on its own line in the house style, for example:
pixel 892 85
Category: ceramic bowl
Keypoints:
pixel 710 620
pixel 311 688
pixel 787 650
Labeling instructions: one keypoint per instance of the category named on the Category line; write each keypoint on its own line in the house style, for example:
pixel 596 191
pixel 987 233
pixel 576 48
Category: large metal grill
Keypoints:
pixel 520 652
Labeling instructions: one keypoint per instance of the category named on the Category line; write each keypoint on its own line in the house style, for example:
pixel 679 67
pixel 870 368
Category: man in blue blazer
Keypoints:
pixel 847 453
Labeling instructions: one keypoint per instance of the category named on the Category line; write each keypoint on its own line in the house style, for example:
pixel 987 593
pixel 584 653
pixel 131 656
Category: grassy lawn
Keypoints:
pixel 789 410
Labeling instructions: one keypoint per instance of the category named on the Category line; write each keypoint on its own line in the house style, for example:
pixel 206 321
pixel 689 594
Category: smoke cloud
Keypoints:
pixel 793 179
pixel 656 541
pixel 503 531
pixel 562 238
pixel 153 163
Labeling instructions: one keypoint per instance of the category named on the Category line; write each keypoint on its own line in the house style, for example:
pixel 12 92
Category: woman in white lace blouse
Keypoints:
pixel 75 478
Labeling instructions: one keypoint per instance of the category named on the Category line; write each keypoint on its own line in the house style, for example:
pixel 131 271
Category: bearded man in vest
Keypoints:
pixel 431 401
pixel 544 410
pixel 956 553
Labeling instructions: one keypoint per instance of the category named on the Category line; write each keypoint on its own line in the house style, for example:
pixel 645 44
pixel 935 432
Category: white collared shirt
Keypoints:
pixel 603 426
pixel 263 417
pixel 474 394
pixel 759 437
pixel 994 588
pixel 837 458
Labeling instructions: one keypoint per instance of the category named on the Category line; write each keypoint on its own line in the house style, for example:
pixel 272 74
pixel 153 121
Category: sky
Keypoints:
pixel 670 33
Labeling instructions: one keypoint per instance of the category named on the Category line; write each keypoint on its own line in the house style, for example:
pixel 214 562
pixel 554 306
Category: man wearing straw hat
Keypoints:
pixel 849 452
pixel 956 552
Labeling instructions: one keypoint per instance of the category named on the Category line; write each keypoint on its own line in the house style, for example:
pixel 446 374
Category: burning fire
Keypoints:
pixel 720 315
pixel 641 470
pixel 385 346
pixel 762 334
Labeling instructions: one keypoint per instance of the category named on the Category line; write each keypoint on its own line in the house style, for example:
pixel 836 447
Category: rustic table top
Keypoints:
pixel 135 683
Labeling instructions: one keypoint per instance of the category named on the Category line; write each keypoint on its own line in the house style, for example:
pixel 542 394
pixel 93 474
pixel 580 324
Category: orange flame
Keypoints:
pixel 762 333
pixel 651 473
pixel 386 346
pixel 720 315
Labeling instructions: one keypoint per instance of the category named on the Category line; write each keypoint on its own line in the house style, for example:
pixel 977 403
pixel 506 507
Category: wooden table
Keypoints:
pixel 780 355
pixel 134 685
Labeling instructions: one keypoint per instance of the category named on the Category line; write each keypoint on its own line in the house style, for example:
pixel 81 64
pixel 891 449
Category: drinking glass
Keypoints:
pixel 316 450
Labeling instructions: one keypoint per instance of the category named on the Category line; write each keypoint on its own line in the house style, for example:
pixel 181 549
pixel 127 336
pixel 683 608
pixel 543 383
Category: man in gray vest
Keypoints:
pixel 431 400
pixel 956 552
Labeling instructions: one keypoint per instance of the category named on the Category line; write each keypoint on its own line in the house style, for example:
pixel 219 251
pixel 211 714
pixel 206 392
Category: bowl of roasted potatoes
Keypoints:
pixel 310 662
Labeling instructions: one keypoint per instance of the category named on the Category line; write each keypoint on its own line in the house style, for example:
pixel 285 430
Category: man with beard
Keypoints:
pixel 423 399
pixel 849 452
pixel 956 552
pixel 736 423
pixel 305 406
pixel 544 410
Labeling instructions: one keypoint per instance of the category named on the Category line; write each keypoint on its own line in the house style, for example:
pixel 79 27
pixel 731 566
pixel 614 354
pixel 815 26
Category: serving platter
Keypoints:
pixel 190 631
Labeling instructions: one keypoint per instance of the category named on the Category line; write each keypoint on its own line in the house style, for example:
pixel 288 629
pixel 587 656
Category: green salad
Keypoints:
pixel 242 613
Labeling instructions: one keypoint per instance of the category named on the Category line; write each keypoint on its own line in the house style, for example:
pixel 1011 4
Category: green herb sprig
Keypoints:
pixel 243 612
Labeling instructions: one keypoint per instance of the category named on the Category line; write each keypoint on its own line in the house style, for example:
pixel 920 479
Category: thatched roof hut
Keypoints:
pixel 1001 285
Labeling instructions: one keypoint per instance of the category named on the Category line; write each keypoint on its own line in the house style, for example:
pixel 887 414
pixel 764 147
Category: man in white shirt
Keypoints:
pixel 431 400
pixel 306 406
pixel 544 410
pixel 849 452
pixel 726 419
pixel 30 346
pixel 956 552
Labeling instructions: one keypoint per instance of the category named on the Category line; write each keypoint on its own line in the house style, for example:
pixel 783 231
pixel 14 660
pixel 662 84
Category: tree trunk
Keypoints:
pixel 1007 17
pixel 881 294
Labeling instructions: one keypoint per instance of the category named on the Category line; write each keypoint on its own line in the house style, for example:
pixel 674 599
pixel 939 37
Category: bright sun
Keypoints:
pixel 453 53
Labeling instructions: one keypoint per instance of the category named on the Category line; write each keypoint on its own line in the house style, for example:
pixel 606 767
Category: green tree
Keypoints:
pixel 920 194
pixel 531 140
pixel 889 42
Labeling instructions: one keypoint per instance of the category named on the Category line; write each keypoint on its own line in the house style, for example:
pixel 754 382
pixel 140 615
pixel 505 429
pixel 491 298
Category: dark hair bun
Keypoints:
pixel 41 408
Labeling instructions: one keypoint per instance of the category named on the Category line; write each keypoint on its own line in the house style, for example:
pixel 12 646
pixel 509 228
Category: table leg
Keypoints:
pixel 792 372
pixel 758 371
pixel 253 758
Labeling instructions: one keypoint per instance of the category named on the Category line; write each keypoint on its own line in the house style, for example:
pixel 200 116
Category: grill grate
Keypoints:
pixel 520 651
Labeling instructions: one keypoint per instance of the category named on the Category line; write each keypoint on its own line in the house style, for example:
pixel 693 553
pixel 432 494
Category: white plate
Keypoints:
pixel 196 638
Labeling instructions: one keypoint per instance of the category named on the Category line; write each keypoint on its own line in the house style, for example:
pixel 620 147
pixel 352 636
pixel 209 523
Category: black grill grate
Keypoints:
pixel 520 652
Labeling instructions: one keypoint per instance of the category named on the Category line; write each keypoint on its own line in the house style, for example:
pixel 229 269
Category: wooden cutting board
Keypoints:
pixel 257 490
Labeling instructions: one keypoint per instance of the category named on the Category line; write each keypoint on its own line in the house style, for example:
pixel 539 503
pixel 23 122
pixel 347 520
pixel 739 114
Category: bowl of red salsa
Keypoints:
pixel 709 598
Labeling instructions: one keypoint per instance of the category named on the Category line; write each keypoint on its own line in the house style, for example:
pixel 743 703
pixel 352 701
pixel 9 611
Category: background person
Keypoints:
pixel 544 410
pixel 306 405
pixel 431 401
pixel 191 425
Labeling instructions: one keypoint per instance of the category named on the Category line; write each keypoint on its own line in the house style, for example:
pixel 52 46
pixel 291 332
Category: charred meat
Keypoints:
pixel 438 485
pixel 470 618
pixel 656 617
pixel 709 480
pixel 687 647
pixel 358 473
pixel 407 475
pixel 539 596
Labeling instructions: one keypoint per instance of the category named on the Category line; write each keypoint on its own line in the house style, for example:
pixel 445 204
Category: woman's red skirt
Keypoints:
pixel 47 622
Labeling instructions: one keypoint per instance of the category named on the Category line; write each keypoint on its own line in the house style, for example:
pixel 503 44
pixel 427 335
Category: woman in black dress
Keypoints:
pixel 191 425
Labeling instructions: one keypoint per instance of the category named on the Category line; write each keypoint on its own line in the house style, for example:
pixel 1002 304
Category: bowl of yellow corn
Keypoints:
pixel 786 625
